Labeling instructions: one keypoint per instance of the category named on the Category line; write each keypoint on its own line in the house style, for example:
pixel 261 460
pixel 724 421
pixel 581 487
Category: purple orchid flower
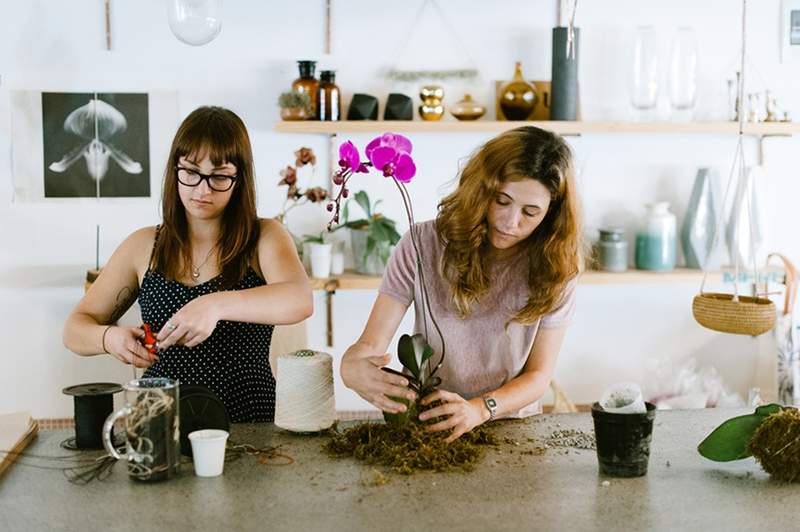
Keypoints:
pixel 349 159
pixel 391 154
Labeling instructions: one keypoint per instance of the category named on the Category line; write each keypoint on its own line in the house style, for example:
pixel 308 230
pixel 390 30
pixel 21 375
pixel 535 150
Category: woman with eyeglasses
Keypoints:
pixel 212 279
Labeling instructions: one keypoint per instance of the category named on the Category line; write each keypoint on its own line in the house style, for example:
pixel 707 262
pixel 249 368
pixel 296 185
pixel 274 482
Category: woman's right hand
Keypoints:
pixel 124 344
pixel 362 373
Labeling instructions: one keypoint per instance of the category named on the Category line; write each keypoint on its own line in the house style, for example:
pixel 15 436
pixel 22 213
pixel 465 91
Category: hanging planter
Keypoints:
pixel 725 313
pixel 732 313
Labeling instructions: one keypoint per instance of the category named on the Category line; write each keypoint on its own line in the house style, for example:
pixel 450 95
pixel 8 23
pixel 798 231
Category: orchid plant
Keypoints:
pixel 390 154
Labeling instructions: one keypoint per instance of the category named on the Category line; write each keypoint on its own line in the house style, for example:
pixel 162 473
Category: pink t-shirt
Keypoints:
pixel 482 353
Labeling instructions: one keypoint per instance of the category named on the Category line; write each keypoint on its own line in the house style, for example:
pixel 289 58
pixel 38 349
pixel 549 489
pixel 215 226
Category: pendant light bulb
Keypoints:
pixel 195 22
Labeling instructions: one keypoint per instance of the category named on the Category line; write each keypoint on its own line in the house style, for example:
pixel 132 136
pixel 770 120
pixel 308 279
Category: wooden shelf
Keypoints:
pixel 355 281
pixel 562 128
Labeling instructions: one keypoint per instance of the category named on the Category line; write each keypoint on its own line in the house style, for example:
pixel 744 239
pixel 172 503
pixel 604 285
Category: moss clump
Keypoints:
pixel 410 447
pixel 776 444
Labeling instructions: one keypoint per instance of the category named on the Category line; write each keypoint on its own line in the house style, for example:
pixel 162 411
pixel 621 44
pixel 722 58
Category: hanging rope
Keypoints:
pixel 736 166
pixel 413 75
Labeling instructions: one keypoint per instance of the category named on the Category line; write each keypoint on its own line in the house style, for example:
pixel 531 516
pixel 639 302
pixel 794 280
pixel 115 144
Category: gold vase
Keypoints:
pixel 518 97
pixel 431 108
pixel 467 109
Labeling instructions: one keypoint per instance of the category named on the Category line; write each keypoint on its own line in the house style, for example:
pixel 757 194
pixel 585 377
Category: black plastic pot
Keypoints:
pixel 623 441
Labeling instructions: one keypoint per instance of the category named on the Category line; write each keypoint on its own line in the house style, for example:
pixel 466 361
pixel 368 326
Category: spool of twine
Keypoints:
pixel 94 402
pixel 304 392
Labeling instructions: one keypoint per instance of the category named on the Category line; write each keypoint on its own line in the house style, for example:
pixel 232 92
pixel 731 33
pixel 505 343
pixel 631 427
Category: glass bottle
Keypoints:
pixel 307 83
pixel 644 72
pixel 656 241
pixel 328 97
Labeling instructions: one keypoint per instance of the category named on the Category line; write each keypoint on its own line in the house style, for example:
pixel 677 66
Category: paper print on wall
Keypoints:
pixel 95 145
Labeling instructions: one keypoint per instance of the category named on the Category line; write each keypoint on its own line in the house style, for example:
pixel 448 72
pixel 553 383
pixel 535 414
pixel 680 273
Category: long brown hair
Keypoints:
pixel 554 249
pixel 220 134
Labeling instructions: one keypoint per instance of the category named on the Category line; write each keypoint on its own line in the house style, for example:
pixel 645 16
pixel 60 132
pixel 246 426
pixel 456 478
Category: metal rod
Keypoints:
pixel 328 26
pixel 330 290
pixel 108 23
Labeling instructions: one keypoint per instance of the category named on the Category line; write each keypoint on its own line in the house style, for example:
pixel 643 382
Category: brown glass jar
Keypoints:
pixel 307 84
pixel 328 97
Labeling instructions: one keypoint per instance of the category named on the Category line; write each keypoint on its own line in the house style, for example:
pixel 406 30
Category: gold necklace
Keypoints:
pixel 196 270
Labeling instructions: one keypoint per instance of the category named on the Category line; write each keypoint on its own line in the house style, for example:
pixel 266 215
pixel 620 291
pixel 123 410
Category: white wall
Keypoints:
pixel 619 331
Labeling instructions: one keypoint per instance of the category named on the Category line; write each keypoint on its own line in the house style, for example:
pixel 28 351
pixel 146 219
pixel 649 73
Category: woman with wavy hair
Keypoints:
pixel 500 263
pixel 213 279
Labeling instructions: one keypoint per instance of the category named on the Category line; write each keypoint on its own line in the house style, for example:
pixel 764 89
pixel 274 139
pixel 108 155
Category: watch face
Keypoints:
pixel 491 403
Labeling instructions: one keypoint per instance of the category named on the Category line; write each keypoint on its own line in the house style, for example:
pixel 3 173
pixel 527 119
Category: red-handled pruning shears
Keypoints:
pixel 149 339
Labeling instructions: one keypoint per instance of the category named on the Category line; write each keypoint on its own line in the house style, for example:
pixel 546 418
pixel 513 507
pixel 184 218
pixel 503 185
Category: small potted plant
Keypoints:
pixel 295 105
pixel 372 237
pixel 319 255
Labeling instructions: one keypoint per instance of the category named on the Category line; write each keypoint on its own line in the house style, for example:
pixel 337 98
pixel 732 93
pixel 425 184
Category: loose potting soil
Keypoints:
pixel 410 447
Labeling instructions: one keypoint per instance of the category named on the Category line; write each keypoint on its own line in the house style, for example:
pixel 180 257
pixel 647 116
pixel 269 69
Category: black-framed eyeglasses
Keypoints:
pixel 192 178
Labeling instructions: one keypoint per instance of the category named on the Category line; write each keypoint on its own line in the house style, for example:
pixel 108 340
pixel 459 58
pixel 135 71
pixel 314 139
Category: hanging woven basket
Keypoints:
pixel 719 312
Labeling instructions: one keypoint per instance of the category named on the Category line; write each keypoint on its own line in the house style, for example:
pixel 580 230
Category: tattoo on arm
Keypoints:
pixel 125 299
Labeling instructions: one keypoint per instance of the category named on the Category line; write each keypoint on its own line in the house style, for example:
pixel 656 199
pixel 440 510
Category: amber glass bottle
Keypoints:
pixel 328 97
pixel 307 83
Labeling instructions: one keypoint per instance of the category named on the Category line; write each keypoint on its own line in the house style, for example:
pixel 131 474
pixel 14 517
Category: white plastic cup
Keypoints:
pixel 208 451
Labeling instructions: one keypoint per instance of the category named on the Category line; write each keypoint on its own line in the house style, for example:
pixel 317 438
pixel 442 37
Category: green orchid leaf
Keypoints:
pixel 361 223
pixel 405 351
pixel 384 251
pixel 414 351
pixel 346 212
pixel 375 206
pixel 363 201
pixel 370 248
pixel 394 236
pixel 730 440
pixel 378 232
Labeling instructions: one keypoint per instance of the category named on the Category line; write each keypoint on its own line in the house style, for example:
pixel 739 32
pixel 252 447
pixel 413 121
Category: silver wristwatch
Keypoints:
pixel 491 406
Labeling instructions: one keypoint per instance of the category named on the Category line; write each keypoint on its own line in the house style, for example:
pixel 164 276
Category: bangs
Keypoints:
pixel 214 138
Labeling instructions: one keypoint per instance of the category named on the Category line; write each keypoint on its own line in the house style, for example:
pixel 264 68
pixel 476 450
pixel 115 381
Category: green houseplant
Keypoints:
pixel 295 105
pixel 372 237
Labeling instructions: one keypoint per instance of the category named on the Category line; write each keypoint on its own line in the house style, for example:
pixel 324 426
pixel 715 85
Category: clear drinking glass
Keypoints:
pixel 644 72
pixel 152 429
pixel 683 74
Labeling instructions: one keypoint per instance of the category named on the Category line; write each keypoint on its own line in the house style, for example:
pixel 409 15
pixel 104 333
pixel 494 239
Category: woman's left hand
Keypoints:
pixel 191 325
pixel 462 415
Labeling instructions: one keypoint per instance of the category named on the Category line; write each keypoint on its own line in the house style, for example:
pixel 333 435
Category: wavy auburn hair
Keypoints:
pixel 221 135
pixel 554 249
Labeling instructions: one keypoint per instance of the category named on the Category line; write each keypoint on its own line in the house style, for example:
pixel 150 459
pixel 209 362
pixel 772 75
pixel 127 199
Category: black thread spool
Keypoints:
pixel 94 402
pixel 200 408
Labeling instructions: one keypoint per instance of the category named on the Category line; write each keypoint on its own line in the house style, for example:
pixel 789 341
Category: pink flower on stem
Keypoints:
pixel 391 154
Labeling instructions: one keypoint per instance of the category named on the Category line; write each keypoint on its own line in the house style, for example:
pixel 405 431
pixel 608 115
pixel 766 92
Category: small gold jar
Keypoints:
pixel 467 109
pixel 431 108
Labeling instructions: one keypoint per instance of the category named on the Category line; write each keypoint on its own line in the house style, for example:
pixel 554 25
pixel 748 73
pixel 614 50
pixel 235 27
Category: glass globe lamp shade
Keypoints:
pixel 195 22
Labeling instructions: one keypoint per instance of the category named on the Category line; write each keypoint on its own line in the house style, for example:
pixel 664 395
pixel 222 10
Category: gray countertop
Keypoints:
pixel 510 490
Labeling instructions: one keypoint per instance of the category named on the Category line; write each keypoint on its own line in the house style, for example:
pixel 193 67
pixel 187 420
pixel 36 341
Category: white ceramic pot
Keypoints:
pixel 320 258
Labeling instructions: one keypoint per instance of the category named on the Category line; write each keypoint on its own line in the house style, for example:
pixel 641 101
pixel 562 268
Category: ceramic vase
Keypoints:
pixel 697 233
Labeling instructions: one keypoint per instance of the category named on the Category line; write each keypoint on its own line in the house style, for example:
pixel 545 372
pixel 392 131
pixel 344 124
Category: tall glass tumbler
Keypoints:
pixel 644 73
pixel 683 74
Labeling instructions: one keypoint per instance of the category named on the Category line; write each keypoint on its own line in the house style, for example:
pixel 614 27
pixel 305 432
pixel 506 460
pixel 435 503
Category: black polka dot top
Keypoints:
pixel 233 362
